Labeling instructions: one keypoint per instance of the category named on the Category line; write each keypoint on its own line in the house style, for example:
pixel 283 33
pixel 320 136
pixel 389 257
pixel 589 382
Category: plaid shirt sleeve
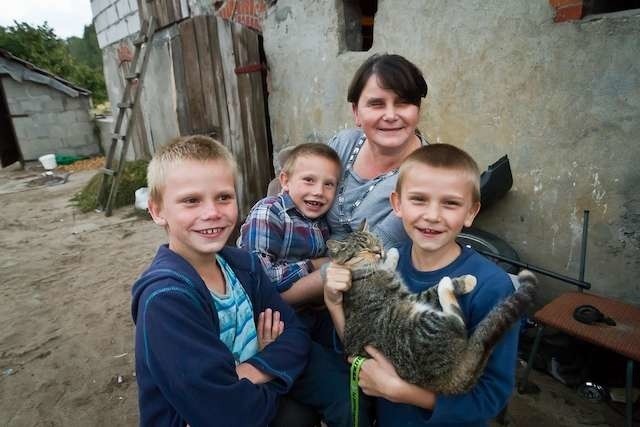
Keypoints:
pixel 263 234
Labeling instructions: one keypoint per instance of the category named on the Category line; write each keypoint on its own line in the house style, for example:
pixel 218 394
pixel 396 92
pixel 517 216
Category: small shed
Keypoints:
pixel 41 113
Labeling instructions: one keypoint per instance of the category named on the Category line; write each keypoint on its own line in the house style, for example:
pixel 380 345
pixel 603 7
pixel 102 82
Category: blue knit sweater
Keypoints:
pixel 185 373
pixel 492 392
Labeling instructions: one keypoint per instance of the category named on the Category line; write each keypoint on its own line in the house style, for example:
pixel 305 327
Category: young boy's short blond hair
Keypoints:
pixel 444 156
pixel 193 147
pixel 311 149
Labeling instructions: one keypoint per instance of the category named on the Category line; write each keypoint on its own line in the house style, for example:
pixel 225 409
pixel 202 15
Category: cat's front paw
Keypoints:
pixel 391 259
pixel 464 284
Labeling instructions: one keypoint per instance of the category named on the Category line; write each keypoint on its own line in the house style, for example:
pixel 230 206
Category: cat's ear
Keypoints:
pixel 364 226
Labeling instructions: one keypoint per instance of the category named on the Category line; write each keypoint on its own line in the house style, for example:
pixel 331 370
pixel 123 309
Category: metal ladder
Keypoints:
pixel 130 97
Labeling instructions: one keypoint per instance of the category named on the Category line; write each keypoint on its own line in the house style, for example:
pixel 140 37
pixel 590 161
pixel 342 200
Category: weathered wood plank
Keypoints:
pixel 182 107
pixel 236 133
pixel 179 13
pixel 161 13
pixel 143 10
pixel 218 75
pixel 170 11
pixel 195 99
pixel 211 119
pixel 250 93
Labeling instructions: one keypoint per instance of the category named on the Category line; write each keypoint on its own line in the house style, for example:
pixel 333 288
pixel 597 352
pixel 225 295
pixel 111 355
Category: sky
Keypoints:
pixel 66 17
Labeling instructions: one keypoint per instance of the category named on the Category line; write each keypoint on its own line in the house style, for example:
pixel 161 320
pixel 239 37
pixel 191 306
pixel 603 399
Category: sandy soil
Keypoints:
pixel 66 337
pixel 67 333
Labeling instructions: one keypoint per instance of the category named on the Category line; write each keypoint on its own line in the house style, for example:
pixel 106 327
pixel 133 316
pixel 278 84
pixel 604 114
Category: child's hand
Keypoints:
pixel 378 377
pixel 269 327
pixel 337 280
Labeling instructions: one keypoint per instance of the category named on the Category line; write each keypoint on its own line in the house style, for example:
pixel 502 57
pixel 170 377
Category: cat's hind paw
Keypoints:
pixel 391 260
pixel 464 284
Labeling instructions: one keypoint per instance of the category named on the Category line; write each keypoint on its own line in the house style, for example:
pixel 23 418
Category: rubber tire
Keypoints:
pixel 487 242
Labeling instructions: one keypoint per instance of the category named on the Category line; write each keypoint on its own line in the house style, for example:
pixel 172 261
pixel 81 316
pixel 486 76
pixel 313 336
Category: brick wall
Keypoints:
pixel 245 12
pixel 114 20
pixel 567 10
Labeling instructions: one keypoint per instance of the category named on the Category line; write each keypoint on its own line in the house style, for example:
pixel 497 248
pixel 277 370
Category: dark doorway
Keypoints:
pixel 9 150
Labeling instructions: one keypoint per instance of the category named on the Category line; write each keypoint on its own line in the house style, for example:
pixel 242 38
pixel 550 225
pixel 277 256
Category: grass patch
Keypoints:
pixel 134 176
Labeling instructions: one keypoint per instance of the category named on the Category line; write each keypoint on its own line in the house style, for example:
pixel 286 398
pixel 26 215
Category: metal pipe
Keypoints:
pixel 583 246
pixel 522 388
pixel 628 419
pixel 580 283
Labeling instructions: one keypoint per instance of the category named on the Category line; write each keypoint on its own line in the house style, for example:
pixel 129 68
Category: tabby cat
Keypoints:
pixel 423 335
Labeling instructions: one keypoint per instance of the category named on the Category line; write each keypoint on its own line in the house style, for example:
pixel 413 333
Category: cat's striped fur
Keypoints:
pixel 423 335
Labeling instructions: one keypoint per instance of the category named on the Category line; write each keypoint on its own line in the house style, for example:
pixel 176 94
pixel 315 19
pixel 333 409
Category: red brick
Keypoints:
pixel 124 53
pixel 569 13
pixel 245 12
pixel 563 3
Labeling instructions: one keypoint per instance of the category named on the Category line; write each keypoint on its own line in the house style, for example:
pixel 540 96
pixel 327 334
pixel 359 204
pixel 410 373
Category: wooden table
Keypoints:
pixel 623 338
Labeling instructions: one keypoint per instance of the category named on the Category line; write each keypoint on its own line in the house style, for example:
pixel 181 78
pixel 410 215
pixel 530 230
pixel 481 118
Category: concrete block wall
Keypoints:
pixel 114 20
pixel 55 123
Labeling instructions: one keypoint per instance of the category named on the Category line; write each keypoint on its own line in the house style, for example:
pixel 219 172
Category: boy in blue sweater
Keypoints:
pixel 437 194
pixel 215 343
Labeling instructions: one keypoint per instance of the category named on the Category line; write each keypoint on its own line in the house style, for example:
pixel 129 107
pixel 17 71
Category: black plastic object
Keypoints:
pixel 593 391
pixel 488 243
pixel 590 315
pixel 495 182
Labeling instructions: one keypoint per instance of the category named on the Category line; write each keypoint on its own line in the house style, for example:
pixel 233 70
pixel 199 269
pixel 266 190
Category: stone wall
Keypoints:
pixel 55 122
pixel 562 99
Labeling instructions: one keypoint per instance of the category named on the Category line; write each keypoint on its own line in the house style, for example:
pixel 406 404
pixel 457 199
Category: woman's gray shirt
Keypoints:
pixel 375 207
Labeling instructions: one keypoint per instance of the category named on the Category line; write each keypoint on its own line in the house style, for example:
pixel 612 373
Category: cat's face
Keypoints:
pixel 358 248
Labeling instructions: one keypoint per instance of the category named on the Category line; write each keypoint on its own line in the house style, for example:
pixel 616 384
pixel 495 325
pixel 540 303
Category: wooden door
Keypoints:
pixel 220 92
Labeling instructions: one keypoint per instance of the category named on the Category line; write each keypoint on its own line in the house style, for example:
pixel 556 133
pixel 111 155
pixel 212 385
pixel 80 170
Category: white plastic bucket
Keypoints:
pixel 142 198
pixel 48 161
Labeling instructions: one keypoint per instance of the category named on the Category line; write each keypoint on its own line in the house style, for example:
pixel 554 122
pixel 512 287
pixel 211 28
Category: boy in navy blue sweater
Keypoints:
pixel 437 194
pixel 215 343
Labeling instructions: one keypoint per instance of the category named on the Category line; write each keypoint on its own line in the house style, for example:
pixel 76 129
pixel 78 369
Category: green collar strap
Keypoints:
pixel 353 386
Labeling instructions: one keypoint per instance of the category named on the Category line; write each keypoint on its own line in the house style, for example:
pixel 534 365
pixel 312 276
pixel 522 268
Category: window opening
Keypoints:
pixel 359 18
pixel 594 7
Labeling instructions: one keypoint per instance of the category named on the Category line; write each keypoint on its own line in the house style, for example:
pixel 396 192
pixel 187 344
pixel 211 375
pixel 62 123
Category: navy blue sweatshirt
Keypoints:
pixel 185 373
pixel 487 398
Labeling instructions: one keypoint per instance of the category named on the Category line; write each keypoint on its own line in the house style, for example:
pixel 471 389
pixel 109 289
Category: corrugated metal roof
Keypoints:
pixel 21 70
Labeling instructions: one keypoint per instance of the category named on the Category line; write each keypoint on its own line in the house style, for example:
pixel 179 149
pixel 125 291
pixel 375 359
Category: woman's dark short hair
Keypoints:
pixel 395 73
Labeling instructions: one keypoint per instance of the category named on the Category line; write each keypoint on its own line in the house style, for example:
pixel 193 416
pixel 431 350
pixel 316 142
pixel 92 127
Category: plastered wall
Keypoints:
pixel 562 100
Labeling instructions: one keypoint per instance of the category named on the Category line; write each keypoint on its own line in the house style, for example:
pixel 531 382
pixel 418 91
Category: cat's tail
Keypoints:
pixel 499 320
pixel 506 313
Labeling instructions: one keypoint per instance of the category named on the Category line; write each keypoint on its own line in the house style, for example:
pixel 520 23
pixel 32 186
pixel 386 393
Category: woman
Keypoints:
pixel 385 96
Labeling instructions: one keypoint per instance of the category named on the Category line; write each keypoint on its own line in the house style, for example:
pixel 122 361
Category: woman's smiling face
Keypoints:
pixel 387 120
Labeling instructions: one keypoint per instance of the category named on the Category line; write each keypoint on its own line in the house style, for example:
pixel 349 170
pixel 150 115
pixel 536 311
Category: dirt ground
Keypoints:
pixel 66 337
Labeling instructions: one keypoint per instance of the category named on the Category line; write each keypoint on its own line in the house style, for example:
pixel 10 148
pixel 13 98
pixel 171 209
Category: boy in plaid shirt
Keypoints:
pixel 288 231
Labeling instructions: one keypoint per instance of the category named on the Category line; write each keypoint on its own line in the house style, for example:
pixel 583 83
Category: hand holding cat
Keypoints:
pixel 379 378
pixel 337 280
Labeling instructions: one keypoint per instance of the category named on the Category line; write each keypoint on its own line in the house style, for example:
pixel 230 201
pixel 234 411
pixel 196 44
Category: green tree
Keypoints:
pixel 40 46
pixel 86 50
